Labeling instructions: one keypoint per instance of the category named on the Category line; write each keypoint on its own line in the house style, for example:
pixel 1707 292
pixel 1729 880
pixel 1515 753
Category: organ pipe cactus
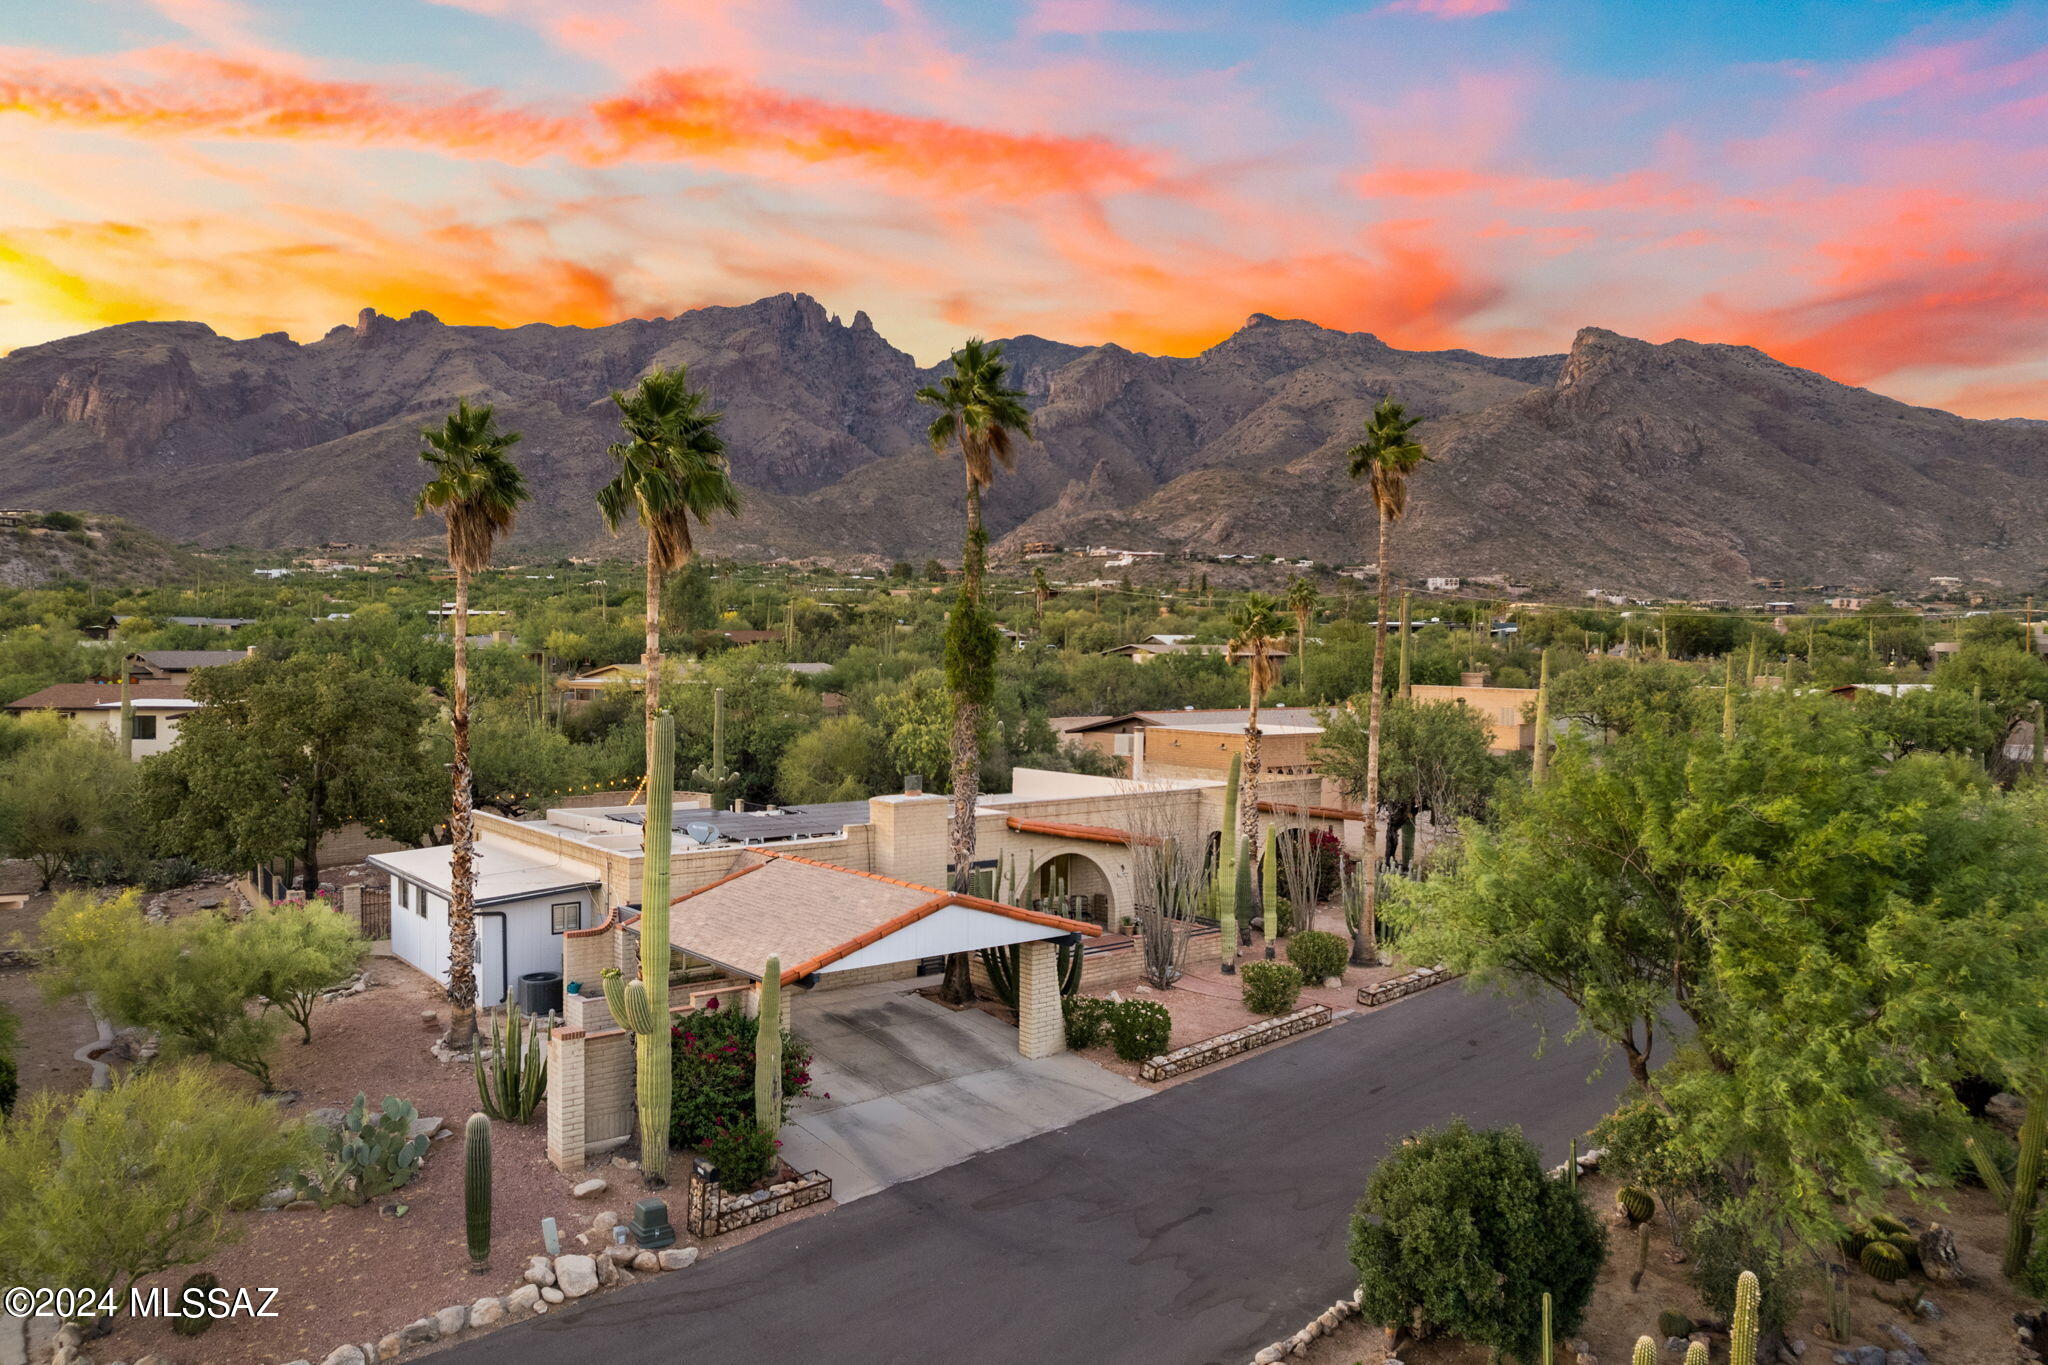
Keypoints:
pixel 1742 1332
pixel 1545 1357
pixel 1696 1353
pixel 1269 889
pixel 2017 1197
pixel 1226 870
pixel 642 1006
pixel 476 1190
pixel 768 1050
pixel 1635 1279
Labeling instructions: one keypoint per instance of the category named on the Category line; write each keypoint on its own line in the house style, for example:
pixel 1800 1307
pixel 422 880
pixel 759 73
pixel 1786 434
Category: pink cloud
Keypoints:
pixel 1446 9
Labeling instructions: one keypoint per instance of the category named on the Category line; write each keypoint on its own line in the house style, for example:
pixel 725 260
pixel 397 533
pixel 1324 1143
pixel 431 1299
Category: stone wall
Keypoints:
pixel 1209 1051
pixel 1422 978
pixel 712 1212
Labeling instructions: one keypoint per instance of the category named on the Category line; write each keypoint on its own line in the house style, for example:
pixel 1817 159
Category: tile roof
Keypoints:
pixel 185 660
pixel 94 696
pixel 811 914
pixel 1099 834
pixel 1313 812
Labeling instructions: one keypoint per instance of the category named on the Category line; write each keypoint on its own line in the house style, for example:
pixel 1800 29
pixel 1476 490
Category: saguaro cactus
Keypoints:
pixel 1539 761
pixel 1546 1330
pixel 768 1050
pixel 1742 1332
pixel 1269 888
pixel 715 777
pixel 642 1006
pixel 1696 1353
pixel 1226 870
pixel 476 1190
pixel 1645 1352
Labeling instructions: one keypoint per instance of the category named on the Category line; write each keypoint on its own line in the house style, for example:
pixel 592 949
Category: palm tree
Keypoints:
pixel 983 416
pixel 1041 592
pixel 1302 598
pixel 1386 457
pixel 672 467
pixel 476 490
pixel 1255 638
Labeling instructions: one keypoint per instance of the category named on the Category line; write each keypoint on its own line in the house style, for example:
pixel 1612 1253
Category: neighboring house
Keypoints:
pixel 751 637
pixel 588 686
pixel 810 670
pixel 1152 646
pixel 171 663
pixel 207 622
pixel 156 705
pixel 1504 709
pixel 1119 735
pixel 1441 584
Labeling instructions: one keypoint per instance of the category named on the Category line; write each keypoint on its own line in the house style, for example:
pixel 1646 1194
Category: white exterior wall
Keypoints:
pixel 528 938
pixel 110 723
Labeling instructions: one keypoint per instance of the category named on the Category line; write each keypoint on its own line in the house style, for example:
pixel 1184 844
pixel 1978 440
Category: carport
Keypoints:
pixel 820 919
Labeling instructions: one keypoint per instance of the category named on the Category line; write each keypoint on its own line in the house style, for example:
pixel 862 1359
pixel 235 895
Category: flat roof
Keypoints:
pixel 784 822
pixel 501 875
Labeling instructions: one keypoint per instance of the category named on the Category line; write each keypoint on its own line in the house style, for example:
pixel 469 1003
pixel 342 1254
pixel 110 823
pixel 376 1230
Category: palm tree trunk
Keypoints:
pixel 1301 652
pixel 1364 945
pixel 462 829
pixel 958 986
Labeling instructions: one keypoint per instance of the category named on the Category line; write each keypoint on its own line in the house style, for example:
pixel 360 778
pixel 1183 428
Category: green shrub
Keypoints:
pixel 1461 1232
pixel 1730 1238
pixel 1270 987
pixel 113 1185
pixel 1139 1029
pixel 743 1154
pixel 1319 954
pixel 712 1056
pixel 1086 1017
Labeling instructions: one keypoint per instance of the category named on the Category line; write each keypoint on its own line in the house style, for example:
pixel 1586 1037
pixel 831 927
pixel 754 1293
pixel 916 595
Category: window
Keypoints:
pixel 567 915
pixel 142 727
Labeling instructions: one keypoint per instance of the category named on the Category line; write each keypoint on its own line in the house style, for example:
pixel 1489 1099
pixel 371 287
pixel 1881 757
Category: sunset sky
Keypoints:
pixel 1859 186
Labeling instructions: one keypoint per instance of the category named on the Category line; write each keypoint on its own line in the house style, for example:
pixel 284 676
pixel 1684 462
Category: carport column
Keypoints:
pixel 566 1083
pixel 1040 1030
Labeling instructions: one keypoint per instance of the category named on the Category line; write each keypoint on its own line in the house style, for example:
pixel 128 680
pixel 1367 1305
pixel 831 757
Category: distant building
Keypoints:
pixel 1845 604
pixel 167 663
pixel 1504 709
pixel 1441 584
pixel 157 706
pixel 1152 646
pixel 588 686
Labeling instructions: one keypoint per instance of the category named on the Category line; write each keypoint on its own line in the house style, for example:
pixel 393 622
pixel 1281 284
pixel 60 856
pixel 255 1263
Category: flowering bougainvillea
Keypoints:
pixel 713 1052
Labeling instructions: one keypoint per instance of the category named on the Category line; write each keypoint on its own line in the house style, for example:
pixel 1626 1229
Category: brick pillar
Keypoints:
pixel 566 1083
pixel 1041 1031
pixel 352 902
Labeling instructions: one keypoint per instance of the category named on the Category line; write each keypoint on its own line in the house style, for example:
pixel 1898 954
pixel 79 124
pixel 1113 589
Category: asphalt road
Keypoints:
pixel 1194 1226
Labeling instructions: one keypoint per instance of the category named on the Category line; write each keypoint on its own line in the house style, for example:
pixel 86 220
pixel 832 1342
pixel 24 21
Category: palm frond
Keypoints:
pixel 476 488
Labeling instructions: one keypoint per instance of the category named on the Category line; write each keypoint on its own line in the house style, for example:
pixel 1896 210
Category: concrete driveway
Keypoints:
pixel 902 1087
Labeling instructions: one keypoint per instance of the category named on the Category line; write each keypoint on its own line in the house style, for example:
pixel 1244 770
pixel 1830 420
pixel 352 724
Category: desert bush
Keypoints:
pixel 1086 1018
pixel 1270 987
pixel 100 1191
pixel 712 1055
pixel 1139 1029
pixel 743 1154
pixel 1460 1231
pixel 294 952
pixel 1318 954
pixel 1732 1237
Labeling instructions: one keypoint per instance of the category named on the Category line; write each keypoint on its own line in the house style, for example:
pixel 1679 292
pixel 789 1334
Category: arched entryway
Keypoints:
pixel 1077 886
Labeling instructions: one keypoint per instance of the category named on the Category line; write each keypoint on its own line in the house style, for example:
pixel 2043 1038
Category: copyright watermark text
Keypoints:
pixel 75 1304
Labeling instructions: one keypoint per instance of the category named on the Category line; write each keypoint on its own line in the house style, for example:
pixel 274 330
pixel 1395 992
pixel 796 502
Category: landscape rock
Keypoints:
pixel 677 1258
pixel 539 1270
pixel 277 1198
pixel 389 1347
pixel 620 1254
pixel 425 1127
pixel 521 1301
pixel 607 1271
pixel 419 1332
pixel 602 1222
pixel 550 1294
pixel 646 1261
pixel 345 1355
pixel 575 1275
pixel 486 1312
pixel 452 1319
pixel 1331 983
pixel 588 1188
pixel 1269 1356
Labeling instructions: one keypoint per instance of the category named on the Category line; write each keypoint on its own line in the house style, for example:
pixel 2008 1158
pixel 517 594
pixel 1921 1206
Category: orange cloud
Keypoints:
pixel 2020 399
pixel 690 116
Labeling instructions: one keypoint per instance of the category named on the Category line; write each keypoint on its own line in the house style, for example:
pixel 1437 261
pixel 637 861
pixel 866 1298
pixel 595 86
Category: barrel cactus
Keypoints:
pixel 1673 1323
pixel 1645 1352
pixel 1636 1205
pixel 1884 1262
pixel 476 1190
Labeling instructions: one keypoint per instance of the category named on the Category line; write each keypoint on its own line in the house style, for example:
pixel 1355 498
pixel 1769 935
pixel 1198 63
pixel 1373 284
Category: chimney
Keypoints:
pixel 913 784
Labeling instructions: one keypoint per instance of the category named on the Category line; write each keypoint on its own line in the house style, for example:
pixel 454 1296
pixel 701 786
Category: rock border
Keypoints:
pixel 1322 1324
pixel 1235 1043
pixel 1396 988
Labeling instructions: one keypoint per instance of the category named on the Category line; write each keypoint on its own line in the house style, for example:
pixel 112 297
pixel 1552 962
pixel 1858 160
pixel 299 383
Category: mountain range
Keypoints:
pixel 1682 468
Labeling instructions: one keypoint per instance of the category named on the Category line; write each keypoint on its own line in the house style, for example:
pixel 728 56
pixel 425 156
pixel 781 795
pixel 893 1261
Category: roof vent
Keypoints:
pixel 913 784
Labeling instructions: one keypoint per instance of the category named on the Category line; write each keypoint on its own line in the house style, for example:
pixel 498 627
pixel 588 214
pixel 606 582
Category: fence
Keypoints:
pixel 375 913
